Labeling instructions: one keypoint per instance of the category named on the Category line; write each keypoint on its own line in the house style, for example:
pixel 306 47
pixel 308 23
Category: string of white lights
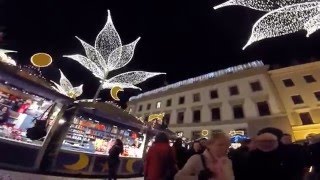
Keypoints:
pixel 261 5
pixel 129 79
pixel 312 25
pixel 284 21
pixel 234 69
pixel 7 59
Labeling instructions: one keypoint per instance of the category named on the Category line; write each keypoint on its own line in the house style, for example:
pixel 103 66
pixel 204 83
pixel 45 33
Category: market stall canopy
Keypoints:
pixel 33 85
pixel 112 113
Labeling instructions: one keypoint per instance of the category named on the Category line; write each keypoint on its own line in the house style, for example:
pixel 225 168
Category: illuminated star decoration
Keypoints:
pixel 66 88
pixel 261 5
pixel 286 20
pixel 109 54
pixel 5 58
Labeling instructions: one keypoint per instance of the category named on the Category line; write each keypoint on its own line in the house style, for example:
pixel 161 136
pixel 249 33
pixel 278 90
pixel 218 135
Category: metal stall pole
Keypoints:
pixel 58 133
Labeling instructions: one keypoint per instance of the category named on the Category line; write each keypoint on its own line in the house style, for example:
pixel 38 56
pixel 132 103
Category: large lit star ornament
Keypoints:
pixel 261 5
pixel 286 20
pixel 109 54
pixel 5 58
pixel 66 88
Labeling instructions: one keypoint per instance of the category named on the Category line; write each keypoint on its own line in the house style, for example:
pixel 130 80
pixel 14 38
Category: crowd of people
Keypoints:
pixel 269 155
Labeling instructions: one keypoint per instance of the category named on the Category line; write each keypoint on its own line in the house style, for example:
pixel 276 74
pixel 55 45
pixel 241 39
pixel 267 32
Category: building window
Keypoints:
pixel 309 79
pixel 181 100
pixel 140 108
pixel 166 119
pixel 288 82
pixel 306 118
pixel 158 105
pixel 169 102
pixel 238 112
pixel 233 90
pixel 215 114
pixel 317 95
pixel 196 116
pixel 297 99
pixel 148 106
pixel 196 135
pixel 196 97
pixel 180 117
pixel 214 94
pixel 256 86
pixel 263 108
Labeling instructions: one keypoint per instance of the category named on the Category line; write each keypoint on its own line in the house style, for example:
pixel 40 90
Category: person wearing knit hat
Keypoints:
pixel 274 160
pixel 275 131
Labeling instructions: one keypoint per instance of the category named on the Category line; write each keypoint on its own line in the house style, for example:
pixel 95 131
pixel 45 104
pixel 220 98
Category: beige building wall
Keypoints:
pixel 306 90
pixel 247 98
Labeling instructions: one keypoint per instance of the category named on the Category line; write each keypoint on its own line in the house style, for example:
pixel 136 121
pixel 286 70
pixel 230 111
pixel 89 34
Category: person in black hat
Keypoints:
pixel 274 160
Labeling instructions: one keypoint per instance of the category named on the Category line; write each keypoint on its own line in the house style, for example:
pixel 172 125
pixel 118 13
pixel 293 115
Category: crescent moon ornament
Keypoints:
pixel 41 60
pixel 82 163
pixel 114 92
pixel 129 165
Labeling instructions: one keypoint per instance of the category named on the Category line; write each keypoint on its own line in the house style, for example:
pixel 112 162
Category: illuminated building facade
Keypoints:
pixel 299 89
pixel 237 98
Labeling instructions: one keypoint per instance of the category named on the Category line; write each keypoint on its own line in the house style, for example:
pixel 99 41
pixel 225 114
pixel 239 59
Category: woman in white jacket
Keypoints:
pixel 212 164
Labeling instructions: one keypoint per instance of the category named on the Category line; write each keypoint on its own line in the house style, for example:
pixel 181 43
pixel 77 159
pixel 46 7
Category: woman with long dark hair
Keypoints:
pixel 114 160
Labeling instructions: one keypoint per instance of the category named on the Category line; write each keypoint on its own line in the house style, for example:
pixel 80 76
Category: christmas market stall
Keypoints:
pixel 26 101
pixel 93 129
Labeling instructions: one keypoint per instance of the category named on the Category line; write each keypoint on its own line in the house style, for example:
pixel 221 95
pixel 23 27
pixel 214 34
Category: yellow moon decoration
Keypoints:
pixel 41 60
pixel 114 92
pixel 82 163
pixel 129 165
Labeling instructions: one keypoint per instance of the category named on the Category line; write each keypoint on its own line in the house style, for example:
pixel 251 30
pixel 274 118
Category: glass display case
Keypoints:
pixel 92 136
pixel 19 111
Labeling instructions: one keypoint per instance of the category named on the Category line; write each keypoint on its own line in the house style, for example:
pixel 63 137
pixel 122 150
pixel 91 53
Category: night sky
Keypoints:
pixel 183 38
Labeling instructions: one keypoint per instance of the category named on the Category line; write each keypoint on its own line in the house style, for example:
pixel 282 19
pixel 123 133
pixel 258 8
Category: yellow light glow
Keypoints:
pixel 41 60
pixel 156 117
pixel 233 133
pixel 204 132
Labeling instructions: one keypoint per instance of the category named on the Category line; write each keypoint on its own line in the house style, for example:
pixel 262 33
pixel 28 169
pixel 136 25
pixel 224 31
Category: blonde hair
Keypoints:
pixel 215 136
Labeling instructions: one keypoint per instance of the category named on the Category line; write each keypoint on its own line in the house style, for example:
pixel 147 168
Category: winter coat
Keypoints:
pixel 194 166
pixel 114 154
pixel 159 159
pixel 286 162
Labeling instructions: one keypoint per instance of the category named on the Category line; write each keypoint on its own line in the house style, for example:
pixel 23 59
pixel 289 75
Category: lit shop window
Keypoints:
pixel 158 105
pixel 98 136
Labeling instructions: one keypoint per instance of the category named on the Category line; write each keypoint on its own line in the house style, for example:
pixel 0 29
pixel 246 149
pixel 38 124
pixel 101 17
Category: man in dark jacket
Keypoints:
pixel 239 158
pixel 273 160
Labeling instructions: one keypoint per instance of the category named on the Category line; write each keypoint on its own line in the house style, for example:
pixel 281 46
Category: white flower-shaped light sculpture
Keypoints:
pixel 261 5
pixel 286 20
pixel 66 88
pixel 109 54
pixel 7 59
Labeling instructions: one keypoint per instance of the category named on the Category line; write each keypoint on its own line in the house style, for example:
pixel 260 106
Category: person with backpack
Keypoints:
pixel 160 160
pixel 213 163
